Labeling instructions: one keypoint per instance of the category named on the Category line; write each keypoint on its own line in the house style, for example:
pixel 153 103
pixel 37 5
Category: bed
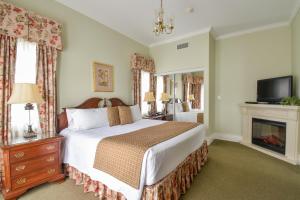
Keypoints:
pixel 167 171
pixel 190 116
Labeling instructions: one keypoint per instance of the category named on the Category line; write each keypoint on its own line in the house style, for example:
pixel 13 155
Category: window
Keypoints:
pixel 159 90
pixel 25 73
pixel 145 87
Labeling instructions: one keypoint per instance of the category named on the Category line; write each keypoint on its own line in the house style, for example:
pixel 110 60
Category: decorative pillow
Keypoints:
pixel 136 113
pixel 113 116
pixel 125 115
pixel 83 119
pixel 186 107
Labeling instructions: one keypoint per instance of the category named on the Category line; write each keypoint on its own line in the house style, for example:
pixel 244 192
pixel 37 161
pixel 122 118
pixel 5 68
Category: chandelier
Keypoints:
pixel 159 25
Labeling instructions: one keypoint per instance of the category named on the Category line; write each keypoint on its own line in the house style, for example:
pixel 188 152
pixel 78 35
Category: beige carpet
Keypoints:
pixel 233 172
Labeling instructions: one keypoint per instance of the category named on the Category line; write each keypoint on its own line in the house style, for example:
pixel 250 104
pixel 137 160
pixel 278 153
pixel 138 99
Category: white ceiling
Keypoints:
pixel 134 18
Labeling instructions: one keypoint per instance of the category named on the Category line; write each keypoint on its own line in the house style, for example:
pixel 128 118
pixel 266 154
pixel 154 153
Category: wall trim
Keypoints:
pixel 174 39
pixel 223 136
pixel 253 30
pixel 195 69
pixel 295 12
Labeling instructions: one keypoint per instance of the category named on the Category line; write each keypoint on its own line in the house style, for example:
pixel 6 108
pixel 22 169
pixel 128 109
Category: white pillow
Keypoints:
pixel 136 113
pixel 84 119
pixel 70 112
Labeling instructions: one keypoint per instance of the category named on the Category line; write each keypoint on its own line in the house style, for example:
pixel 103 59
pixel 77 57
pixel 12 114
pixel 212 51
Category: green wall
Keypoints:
pixel 240 62
pixel 85 41
pixel 296 52
pixel 199 54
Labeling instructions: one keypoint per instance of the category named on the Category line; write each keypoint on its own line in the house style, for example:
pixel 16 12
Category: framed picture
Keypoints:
pixel 103 77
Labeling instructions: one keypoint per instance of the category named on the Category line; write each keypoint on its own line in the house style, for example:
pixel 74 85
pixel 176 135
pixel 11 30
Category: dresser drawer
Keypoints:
pixel 34 177
pixel 22 168
pixel 33 152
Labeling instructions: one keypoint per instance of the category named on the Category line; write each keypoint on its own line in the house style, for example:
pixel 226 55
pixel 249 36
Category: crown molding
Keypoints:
pixel 295 12
pixel 253 30
pixel 174 39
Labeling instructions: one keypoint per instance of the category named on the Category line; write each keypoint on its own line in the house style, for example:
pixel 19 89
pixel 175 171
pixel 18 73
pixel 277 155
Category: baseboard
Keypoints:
pixel 223 136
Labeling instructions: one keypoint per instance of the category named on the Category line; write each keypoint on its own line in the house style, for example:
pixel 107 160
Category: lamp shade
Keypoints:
pixel 149 97
pixel 25 93
pixel 165 97
pixel 191 97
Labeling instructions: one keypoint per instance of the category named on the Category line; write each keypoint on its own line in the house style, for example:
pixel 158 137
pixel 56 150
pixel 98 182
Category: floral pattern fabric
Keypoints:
pixel 13 20
pixel 46 81
pixel 142 63
pixel 196 90
pixel 8 46
pixel 7 71
pixel 170 187
pixel 139 63
pixel 153 85
pixel 44 31
pixel 136 87
pixel 20 23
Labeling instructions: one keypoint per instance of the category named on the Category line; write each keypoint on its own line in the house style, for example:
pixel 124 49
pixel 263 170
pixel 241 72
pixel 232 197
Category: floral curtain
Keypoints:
pixel 20 23
pixel 166 79
pixel 136 87
pixel 7 70
pixel 153 85
pixel 46 80
pixel 139 63
pixel 196 90
pixel 186 80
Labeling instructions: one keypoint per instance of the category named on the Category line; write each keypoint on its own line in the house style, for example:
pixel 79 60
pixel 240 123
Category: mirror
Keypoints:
pixel 186 96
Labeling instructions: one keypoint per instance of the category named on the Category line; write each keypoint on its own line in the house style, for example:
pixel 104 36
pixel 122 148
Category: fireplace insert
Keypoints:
pixel 269 134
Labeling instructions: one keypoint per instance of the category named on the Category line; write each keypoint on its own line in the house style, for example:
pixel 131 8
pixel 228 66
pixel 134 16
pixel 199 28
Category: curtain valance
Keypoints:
pixel 197 80
pixel 142 63
pixel 187 78
pixel 20 23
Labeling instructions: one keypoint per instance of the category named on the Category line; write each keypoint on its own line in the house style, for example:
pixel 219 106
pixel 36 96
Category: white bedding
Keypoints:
pixel 159 160
pixel 190 116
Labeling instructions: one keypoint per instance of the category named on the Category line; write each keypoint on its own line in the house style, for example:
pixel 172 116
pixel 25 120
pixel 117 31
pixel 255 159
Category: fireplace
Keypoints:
pixel 269 134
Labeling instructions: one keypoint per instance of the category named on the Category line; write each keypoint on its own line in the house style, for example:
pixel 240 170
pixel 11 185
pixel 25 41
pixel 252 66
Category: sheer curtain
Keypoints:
pixel 145 87
pixel 159 90
pixel 25 73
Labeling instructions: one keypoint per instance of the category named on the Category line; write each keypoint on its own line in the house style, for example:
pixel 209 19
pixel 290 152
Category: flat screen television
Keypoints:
pixel 273 90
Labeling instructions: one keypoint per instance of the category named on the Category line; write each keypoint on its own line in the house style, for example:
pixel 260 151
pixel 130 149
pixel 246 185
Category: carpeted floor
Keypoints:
pixel 233 172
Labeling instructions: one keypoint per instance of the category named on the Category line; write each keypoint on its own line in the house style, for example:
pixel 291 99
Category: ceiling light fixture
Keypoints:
pixel 160 27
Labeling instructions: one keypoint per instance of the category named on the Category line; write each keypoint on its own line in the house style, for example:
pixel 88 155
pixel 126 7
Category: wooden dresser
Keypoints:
pixel 30 163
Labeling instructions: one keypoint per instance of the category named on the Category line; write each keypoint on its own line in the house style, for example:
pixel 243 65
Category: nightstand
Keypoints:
pixel 28 163
pixel 167 117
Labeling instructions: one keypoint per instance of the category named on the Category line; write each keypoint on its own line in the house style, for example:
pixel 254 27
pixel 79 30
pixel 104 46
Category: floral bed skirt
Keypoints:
pixel 170 187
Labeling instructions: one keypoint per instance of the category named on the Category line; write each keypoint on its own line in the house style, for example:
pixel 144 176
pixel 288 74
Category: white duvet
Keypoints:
pixel 190 116
pixel 159 160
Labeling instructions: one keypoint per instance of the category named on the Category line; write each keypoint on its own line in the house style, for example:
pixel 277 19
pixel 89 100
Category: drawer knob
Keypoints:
pixel 21 181
pixel 19 154
pixel 50 159
pixel 51 171
pixel 20 168
pixel 50 147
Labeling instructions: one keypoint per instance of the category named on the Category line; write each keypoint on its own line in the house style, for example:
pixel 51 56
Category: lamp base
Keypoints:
pixel 30 133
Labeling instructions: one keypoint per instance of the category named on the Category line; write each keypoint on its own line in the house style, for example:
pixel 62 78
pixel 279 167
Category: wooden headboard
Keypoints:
pixel 62 121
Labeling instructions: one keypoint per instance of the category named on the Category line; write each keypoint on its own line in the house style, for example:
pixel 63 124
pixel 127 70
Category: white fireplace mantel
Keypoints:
pixel 288 114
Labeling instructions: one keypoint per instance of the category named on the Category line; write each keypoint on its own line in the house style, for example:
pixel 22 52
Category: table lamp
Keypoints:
pixel 26 93
pixel 149 98
pixel 165 97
